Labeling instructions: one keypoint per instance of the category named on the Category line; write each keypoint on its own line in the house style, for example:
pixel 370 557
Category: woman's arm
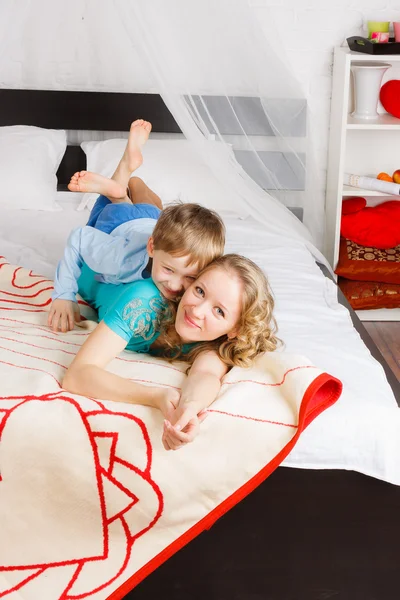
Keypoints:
pixel 203 382
pixel 87 375
pixel 198 393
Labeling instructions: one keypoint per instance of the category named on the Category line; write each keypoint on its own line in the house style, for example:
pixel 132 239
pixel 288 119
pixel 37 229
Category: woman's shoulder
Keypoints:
pixel 142 294
pixel 142 287
pixel 137 314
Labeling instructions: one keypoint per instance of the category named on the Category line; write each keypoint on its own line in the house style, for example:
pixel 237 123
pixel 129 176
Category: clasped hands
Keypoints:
pixel 181 425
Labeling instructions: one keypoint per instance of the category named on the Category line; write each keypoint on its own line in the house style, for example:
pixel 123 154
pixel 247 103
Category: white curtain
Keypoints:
pixel 223 81
pixel 218 73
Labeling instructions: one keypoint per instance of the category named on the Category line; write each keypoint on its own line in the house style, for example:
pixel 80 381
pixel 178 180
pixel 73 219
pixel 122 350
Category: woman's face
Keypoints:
pixel 210 307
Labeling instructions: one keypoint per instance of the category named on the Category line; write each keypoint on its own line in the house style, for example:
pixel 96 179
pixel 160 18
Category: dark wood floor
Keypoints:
pixel 386 335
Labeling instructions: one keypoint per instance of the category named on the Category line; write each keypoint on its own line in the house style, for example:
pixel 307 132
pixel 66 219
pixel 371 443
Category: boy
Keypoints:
pixel 128 237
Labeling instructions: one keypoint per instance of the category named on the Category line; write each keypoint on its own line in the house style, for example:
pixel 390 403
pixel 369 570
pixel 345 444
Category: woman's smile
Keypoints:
pixel 190 321
pixel 210 307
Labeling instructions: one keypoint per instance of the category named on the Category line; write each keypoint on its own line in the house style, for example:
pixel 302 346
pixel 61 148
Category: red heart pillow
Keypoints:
pixel 390 97
pixel 377 226
pixel 353 204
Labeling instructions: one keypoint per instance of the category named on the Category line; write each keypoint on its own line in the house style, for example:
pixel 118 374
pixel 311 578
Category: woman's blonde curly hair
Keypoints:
pixel 256 327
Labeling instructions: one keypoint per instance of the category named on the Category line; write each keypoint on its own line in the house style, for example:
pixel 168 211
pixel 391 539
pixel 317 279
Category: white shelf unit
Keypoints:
pixel 379 314
pixel 385 121
pixel 359 147
pixel 347 190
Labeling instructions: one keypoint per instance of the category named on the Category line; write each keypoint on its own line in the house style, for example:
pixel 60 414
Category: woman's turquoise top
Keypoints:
pixel 134 311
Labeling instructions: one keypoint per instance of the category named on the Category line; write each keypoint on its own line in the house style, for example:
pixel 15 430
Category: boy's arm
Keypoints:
pixel 198 393
pixel 100 251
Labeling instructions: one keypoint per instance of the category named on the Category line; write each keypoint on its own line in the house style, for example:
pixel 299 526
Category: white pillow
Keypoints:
pixel 29 159
pixel 171 168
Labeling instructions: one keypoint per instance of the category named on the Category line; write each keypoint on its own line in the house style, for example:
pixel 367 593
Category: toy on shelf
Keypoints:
pixel 389 96
pixel 375 226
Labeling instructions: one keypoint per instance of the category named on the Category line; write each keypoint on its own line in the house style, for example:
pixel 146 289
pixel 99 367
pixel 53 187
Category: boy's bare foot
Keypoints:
pixel 132 157
pixel 86 181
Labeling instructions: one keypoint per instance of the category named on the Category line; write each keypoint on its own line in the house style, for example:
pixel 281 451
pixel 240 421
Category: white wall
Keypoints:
pixel 76 44
pixel 309 30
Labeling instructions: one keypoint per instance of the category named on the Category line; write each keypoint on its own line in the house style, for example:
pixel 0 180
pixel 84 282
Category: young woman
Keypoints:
pixel 223 319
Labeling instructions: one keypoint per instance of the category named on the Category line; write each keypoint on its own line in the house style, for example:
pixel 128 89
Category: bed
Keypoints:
pixel 325 527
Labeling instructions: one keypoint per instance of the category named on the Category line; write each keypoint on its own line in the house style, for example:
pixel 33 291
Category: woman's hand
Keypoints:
pixel 185 428
pixel 167 401
pixel 198 391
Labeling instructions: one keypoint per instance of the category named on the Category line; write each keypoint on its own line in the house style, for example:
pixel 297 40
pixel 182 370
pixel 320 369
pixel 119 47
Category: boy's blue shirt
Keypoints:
pixel 117 257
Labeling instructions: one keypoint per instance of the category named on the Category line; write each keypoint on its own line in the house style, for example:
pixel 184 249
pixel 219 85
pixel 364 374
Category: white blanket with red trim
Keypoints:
pixel 90 502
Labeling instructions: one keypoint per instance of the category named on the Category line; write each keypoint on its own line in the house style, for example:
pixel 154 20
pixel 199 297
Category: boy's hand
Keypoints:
pixel 63 314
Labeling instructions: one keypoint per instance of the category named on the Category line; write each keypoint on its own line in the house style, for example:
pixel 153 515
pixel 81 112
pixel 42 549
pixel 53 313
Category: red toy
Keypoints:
pixel 390 97
pixel 377 226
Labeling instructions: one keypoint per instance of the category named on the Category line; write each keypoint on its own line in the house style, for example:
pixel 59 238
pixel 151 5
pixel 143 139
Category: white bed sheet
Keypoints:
pixel 35 239
pixel 362 431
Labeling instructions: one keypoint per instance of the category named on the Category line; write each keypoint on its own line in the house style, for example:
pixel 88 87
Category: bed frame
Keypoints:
pixel 302 534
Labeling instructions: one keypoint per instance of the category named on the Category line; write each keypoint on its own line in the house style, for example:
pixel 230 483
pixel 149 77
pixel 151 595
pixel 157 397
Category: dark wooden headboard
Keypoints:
pixel 94 111
pixel 101 111
pixel 110 111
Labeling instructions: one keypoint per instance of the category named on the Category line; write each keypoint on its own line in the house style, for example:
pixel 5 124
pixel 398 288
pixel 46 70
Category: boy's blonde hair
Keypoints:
pixel 256 327
pixel 190 230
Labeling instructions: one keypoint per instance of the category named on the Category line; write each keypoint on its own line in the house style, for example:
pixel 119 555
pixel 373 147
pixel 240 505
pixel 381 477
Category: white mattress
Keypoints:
pixel 362 431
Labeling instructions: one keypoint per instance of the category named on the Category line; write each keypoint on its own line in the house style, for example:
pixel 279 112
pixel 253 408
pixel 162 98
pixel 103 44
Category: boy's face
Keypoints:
pixel 171 274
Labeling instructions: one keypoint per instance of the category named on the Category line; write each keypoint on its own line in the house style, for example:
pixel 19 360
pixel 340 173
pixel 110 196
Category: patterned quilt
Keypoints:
pixel 90 502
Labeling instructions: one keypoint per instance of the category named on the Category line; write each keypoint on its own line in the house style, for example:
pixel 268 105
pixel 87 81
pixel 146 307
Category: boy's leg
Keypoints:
pixel 121 189
pixel 137 191
pixel 144 203
pixel 88 182
pixel 132 157
pixel 97 209
pixel 140 193
pixel 116 188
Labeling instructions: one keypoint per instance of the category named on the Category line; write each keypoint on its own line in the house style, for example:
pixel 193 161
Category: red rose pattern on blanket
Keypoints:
pixel 90 502
pixel 112 500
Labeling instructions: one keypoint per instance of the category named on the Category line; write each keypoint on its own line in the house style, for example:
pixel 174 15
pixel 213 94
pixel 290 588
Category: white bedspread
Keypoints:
pixel 362 431
pixel 35 239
